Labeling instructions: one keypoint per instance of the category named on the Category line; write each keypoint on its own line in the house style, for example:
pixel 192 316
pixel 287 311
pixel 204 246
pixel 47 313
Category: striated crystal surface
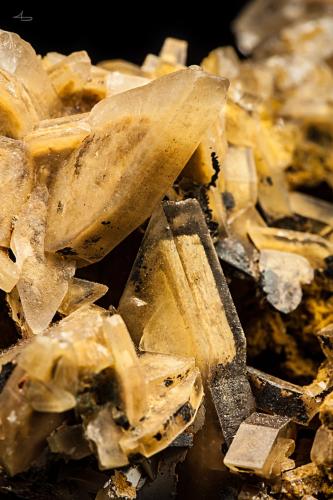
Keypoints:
pixel 131 133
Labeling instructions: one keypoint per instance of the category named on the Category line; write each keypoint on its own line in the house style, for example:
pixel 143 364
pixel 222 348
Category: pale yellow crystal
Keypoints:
pixel 138 145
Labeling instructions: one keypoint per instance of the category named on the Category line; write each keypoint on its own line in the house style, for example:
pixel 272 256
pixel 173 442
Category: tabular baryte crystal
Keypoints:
pixel 311 246
pixel 280 397
pixel 130 158
pixel 43 279
pixel 283 275
pixel 322 448
pixel 176 283
pixel 262 446
pixel 18 58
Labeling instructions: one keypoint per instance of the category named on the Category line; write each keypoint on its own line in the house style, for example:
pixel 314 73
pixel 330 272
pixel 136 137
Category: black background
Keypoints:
pixel 121 29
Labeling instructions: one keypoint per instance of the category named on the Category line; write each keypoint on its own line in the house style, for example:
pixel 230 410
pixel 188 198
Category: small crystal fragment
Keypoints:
pixel 262 446
pixel 80 293
pixel 283 275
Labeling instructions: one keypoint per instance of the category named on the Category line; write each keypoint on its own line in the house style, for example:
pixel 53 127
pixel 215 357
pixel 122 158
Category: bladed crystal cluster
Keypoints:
pixel 166 267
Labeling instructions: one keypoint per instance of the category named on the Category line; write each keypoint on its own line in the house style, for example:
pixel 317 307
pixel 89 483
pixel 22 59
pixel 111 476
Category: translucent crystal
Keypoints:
pixel 22 430
pixel 81 292
pixel 78 83
pixel 240 178
pixel 312 247
pixel 175 284
pixel 44 278
pixel 121 66
pixel 121 82
pixel 88 362
pixel 9 273
pixel 322 448
pixel 18 58
pixel 130 377
pixel 17 175
pixel 314 208
pixel 262 446
pixel 132 126
pixel 52 142
pixel 17 109
pixel 283 275
pixel 174 51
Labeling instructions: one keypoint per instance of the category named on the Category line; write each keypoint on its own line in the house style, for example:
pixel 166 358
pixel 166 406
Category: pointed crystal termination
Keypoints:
pixel 262 446
pixel 177 302
pixel 18 58
pixel 129 160
pixel 43 280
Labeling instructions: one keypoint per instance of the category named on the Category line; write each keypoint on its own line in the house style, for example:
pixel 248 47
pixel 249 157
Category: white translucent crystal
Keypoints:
pixel 283 273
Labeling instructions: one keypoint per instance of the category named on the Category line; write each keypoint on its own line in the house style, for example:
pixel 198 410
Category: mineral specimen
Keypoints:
pixel 262 446
pixel 131 365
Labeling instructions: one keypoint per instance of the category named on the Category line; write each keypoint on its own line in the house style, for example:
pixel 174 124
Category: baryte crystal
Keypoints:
pixel 78 83
pixel 283 275
pixel 175 283
pixel 135 133
pixel 18 113
pixel 262 446
pixel 240 178
pixel 43 280
pixel 311 246
pixel 174 51
pixel 51 143
pixel 118 82
pixel 18 58
pixel 9 273
pixel 122 66
pixel 281 397
pixel 59 370
pixel 322 448
pixel 17 177
pixel 80 293
pixel 22 430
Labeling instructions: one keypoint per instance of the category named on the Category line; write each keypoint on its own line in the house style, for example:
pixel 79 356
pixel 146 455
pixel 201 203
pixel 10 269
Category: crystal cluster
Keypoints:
pixel 166 267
